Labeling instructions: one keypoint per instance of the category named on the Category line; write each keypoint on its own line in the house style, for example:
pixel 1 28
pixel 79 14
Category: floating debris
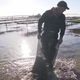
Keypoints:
pixel 64 69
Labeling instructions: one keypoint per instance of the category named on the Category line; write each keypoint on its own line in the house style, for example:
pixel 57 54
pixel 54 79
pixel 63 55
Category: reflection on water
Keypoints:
pixel 25 48
pixel 75 29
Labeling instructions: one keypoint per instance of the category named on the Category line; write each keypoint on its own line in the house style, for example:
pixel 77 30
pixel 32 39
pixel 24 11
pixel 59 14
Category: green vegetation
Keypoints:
pixel 76 21
pixel 77 31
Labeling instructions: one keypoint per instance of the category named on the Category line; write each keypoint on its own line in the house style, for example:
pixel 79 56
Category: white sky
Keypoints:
pixel 32 7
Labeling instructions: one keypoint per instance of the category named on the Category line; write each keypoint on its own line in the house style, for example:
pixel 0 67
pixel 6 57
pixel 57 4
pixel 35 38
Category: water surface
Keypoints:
pixel 18 51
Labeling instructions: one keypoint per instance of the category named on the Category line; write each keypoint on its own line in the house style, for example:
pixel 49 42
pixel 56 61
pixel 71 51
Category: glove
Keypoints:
pixel 39 36
pixel 60 41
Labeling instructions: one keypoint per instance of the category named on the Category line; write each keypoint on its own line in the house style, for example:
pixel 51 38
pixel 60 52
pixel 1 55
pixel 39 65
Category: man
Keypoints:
pixel 51 29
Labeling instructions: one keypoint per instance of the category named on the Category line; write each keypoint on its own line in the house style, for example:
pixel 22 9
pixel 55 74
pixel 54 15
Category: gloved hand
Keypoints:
pixel 39 36
pixel 60 41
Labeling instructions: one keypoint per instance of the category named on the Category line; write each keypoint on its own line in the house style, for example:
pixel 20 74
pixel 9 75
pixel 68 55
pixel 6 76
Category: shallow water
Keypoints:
pixel 71 41
pixel 18 51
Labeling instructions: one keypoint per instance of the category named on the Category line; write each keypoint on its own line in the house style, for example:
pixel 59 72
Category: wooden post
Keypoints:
pixel 27 27
pixel 6 27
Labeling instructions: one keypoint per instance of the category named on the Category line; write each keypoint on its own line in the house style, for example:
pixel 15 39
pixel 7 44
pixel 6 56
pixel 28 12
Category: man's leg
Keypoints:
pixel 52 53
pixel 44 41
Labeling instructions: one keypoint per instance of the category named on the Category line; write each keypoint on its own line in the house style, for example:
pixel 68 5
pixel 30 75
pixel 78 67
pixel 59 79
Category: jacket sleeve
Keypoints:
pixel 40 22
pixel 63 27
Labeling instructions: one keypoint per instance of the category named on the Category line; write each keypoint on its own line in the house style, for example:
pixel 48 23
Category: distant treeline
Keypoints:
pixel 73 19
pixel 19 17
pixel 25 17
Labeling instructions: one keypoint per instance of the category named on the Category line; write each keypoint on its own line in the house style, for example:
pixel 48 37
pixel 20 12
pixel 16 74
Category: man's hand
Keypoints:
pixel 39 36
pixel 60 41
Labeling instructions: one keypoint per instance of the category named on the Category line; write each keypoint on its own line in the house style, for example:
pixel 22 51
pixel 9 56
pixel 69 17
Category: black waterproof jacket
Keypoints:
pixel 52 22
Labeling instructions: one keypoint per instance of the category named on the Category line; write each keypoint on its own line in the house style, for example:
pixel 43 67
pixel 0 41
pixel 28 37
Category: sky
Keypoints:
pixel 33 7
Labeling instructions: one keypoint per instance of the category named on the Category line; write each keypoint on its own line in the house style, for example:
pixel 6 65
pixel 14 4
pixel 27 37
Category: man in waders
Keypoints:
pixel 50 24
